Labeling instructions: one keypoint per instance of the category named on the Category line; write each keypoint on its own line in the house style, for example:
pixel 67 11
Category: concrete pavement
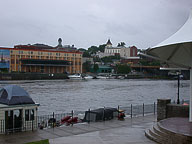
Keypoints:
pixel 129 131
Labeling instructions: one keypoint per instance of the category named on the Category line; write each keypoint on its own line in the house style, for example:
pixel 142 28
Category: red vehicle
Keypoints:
pixel 65 119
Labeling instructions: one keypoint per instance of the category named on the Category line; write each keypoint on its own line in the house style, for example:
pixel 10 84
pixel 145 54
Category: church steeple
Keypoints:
pixel 60 43
pixel 109 44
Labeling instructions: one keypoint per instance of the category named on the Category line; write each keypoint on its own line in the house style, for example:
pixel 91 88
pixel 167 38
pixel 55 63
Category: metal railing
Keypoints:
pixel 56 120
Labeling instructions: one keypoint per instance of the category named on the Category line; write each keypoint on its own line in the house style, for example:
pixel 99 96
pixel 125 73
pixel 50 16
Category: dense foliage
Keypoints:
pixel 123 69
pixel 149 63
pixel 93 50
pixel 110 58
pixel 87 66
pixel 95 67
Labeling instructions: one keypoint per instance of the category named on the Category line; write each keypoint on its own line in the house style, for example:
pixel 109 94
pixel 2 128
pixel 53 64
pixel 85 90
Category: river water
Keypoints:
pixel 61 96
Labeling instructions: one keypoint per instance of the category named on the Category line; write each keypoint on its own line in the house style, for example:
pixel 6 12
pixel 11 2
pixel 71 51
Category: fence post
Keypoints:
pixel 131 110
pixel 72 118
pixel 32 125
pixel 89 116
pixel 1 126
pixel 53 119
pixel 143 109
pixel 154 108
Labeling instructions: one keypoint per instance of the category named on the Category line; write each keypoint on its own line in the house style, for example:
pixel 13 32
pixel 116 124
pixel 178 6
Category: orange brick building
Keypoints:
pixel 44 59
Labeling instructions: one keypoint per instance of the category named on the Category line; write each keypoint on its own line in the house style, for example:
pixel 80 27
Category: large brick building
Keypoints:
pixel 42 58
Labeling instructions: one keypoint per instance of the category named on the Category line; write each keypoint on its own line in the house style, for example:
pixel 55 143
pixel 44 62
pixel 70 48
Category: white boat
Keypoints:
pixel 75 76
pixel 88 77
pixel 102 77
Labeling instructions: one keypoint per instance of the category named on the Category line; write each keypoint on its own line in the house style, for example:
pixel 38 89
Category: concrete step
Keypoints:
pixel 172 137
pixel 159 132
pixel 151 137
pixel 164 130
pixel 154 134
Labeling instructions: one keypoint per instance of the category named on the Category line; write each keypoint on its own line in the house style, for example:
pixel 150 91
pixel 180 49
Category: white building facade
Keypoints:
pixel 124 52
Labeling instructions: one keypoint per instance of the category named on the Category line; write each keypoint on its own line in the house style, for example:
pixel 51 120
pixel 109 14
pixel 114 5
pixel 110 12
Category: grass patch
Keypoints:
pixel 40 142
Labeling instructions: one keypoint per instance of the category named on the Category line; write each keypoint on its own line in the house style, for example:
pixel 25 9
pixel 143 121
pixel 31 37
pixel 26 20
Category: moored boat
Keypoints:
pixel 75 76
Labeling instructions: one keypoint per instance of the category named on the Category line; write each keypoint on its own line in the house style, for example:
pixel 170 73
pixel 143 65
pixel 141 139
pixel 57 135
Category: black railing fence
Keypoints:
pixel 66 119
pixel 135 110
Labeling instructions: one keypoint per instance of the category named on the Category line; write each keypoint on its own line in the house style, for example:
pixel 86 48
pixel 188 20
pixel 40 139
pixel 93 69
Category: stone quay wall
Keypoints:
pixel 166 110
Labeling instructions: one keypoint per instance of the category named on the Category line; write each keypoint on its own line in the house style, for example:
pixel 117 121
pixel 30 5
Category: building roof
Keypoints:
pixel 109 42
pixel 14 95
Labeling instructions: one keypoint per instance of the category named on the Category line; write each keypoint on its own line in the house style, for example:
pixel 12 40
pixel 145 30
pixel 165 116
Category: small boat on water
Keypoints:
pixel 88 77
pixel 75 76
pixel 101 77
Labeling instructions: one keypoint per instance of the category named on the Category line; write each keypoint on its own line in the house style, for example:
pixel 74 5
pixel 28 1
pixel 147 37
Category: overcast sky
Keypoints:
pixel 143 23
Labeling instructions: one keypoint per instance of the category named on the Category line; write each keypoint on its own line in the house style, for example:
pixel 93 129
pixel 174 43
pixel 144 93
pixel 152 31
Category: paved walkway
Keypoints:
pixel 129 131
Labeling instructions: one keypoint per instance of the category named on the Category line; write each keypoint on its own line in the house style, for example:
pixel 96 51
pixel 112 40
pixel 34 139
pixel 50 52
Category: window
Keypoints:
pixel 12 61
pixel 32 114
pixel 29 114
pixel 20 52
pixel 26 115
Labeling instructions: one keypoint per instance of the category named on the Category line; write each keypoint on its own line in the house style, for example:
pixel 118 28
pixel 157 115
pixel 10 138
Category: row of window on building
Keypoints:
pixel 45 53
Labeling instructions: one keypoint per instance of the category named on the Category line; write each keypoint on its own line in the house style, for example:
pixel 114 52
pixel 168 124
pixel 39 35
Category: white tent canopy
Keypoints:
pixel 177 49
pixel 183 35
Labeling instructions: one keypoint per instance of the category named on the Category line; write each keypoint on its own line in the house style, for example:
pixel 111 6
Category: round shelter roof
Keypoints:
pixel 14 95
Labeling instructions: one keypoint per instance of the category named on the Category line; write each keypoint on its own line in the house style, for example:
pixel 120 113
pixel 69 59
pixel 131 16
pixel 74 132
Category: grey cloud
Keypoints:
pixel 143 23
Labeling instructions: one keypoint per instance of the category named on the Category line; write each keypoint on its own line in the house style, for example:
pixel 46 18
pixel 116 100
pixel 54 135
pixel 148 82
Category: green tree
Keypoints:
pixel 86 54
pixel 110 58
pixel 87 66
pixel 101 48
pixel 93 49
pixel 123 69
pixel 95 67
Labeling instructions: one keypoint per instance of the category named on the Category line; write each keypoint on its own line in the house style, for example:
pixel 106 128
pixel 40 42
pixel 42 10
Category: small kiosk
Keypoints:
pixel 18 112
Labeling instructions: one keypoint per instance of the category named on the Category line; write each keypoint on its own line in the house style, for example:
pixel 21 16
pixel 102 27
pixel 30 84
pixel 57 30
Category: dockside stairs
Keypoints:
pixel 162 135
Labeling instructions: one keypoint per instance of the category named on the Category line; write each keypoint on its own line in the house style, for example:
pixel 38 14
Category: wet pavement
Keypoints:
pixel 178 125
pixel 129 131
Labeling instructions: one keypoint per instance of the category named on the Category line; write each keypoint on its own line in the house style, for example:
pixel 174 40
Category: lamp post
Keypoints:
pixel 178 77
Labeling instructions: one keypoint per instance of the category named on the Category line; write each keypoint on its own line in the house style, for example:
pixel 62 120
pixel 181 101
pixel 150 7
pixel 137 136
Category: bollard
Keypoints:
pixel 143 109
pixel 154 108
pixel 131 110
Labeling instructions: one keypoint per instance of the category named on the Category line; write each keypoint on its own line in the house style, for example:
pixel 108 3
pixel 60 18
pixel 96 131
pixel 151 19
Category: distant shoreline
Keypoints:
pixel 40 76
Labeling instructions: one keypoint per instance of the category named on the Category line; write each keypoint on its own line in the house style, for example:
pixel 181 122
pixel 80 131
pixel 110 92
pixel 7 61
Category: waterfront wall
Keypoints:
pixel 31 76
pixel 162 108
pixel 177 110
pixel 167 110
